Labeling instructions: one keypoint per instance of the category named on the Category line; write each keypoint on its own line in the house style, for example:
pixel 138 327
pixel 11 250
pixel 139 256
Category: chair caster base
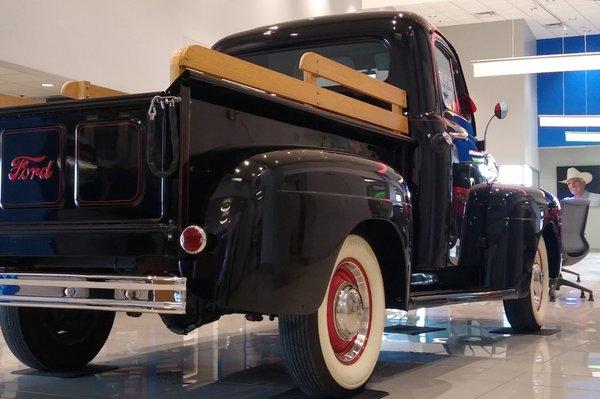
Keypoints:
pixel 578 280
pixel 582 295
pixel 591 298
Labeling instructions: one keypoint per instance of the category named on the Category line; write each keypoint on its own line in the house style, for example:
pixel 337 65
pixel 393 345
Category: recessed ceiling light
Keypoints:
pixel 485 14
pixel 47 84
pixel 554 25
pixel 572 18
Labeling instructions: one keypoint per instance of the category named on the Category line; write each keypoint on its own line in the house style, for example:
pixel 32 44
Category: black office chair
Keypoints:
pixel 575 247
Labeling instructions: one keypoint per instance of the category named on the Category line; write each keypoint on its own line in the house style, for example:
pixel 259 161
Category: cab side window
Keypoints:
pixel 446 80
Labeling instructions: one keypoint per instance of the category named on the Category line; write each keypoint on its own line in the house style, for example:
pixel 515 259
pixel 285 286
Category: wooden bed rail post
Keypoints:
pixel 82 89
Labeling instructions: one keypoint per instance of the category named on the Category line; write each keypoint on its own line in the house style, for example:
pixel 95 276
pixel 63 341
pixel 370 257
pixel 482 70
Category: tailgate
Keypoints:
pixel 77 162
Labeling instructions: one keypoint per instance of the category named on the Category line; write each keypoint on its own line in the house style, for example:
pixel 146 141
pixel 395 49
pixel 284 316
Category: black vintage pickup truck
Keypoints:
pixel 216 197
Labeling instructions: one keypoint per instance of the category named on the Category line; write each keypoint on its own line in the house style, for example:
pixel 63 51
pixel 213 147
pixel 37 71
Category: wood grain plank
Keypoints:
pixel 83 89
pixel 318 65
pixel 7 100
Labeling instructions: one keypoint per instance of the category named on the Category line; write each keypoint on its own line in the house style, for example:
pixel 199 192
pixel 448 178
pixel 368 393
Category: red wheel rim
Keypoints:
pixel 349 311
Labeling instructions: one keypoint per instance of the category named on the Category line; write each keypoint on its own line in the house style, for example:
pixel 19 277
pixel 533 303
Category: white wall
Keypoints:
pixel 512 140
pixel 126 44
pixel 550 158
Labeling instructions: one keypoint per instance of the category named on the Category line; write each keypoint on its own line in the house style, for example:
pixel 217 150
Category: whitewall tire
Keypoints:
pixel 527 314
pixel 333 352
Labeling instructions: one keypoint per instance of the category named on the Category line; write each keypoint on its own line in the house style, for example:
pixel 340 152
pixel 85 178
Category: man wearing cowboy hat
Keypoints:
pixel 577 181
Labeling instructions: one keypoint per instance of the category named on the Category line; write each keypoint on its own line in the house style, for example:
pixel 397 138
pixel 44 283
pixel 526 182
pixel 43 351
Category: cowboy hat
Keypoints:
pixel 573 173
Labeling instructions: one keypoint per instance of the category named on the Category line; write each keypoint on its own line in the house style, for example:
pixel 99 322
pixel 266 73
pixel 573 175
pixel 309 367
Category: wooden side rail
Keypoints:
pixel 223 66
pixel 13 101
pixel 315 65
pixel 82 89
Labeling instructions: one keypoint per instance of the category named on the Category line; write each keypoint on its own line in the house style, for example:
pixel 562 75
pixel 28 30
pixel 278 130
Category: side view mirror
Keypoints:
pixel 501 110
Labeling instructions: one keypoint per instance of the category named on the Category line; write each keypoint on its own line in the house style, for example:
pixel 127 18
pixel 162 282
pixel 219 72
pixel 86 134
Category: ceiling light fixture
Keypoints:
pixel 569 120
pixel 539 63
pixel 536 64
pixel 589 137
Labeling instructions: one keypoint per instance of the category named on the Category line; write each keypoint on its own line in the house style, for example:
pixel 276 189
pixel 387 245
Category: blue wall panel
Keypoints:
pixel 551 100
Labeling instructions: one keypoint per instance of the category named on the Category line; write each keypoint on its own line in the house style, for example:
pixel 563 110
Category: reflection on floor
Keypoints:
pixel 238 359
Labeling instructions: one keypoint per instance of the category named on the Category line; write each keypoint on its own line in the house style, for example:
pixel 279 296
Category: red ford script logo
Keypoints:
pixel 30 168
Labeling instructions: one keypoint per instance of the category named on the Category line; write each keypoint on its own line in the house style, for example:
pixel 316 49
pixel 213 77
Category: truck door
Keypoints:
pixel 457 111
pixel 458 115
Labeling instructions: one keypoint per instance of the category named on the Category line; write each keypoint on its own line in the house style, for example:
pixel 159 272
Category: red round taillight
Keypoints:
pixel 193 239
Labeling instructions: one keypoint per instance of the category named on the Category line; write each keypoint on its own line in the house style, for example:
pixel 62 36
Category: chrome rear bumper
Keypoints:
pixel 116 293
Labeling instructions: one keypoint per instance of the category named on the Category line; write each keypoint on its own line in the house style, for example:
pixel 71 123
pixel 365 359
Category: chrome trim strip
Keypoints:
pixel 149 294
pixel 467 296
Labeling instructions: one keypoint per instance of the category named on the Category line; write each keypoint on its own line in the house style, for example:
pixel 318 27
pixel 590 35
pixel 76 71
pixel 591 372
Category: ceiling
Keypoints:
pixel 579 16
pixel 26 82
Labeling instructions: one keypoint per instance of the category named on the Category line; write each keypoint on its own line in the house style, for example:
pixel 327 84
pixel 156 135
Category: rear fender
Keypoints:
pixel 277 221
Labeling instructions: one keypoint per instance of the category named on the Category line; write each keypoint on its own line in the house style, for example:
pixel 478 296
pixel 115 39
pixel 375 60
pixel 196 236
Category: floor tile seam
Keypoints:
pixel 564 353
pixel 501 384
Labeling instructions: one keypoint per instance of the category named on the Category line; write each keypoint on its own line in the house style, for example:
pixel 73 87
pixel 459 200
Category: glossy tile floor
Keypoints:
pixel 237 359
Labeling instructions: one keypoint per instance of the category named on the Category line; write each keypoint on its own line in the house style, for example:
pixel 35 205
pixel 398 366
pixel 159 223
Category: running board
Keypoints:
pixel 461 297
pixel 147 294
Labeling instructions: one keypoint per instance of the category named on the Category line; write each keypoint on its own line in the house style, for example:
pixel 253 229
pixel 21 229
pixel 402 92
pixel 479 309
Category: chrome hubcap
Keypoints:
pixel 349 312
pixel 537 282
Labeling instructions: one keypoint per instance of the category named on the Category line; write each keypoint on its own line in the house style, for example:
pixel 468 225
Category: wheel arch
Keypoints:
pixel 392 253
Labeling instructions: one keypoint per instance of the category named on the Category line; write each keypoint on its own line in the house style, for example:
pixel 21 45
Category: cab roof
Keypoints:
pixel 374 23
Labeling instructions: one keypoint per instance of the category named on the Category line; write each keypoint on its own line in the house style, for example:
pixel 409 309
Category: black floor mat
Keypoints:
pixel 84 372
pixel 410 330
pixel 508 330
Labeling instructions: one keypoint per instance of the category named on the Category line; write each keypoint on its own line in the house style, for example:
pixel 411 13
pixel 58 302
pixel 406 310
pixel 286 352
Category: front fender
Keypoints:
pixel 503 224
pixel 278 220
